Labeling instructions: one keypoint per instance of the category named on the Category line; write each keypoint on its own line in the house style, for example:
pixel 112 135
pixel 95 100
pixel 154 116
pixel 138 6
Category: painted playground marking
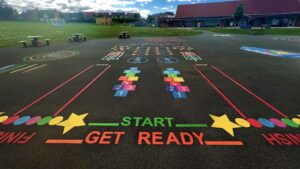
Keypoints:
pixel 81 91
pixel 222 35
pixel 114 55
pixel 144 137
pixel 163 51
pixel 51 56
pixel 35 68
pixel 13 68
pixel 141 51
pixel 7 67
pixel 270 52
pixel 178 91
pixel 138 60
pixel 285 38
pixel 190 56
pixel 21 69
pixel 168 60
pixel 53 90
pixel 127 80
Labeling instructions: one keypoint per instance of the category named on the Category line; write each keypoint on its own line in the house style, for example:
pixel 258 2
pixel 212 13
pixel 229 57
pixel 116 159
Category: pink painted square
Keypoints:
pixel 183 89
pixel 126 82
pixel 130 87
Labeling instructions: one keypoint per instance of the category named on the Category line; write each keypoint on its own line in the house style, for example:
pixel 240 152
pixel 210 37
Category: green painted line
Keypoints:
pixel 191 125
pixel 104 124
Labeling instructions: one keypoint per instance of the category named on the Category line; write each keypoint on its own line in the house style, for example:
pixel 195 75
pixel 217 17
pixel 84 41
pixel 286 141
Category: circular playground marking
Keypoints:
pixel 138 60
pixel 57 55
pixel 167 60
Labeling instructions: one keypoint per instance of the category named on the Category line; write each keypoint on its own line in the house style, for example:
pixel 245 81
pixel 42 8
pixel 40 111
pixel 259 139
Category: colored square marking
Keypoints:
pixel 172 75
pixel 135 78
pixel 133 68
pixel 121 78
pixel 117 87
pixel 170 69
pixel 130 87
pixel 179 95
pixel 178 79
pixel 175 84
pixel 121 93
pixel 168 79
pixel 171 89
pixel 130 74
pixel 126 82
pixel 165 72
pixel 183 89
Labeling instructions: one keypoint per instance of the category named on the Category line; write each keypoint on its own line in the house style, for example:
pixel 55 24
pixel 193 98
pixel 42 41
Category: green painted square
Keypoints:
pixel 172 75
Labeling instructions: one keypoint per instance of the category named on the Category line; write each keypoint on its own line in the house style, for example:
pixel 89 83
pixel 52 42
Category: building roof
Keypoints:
pixel 263 7
pixel 252 7
pixel 207 9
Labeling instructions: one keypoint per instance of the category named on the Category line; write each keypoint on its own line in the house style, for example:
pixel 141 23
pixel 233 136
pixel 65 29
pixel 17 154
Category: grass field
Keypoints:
pixel 13 32
pixel 273 31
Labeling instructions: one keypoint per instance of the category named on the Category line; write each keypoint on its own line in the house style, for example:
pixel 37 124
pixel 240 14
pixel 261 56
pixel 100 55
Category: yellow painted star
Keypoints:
pixel 224 123
pixel 73 121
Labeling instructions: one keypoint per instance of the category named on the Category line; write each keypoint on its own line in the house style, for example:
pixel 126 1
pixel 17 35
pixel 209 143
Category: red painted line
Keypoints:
pixel 224 143
pixel 221 93
pixel 51 91
pixel 80 92
pixel 58 141
pixel 250 92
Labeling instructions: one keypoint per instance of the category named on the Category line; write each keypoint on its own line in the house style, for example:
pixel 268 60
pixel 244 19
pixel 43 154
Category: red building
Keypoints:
pixel 257 13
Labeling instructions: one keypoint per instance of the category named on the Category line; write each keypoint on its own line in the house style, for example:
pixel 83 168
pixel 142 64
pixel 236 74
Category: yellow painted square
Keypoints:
pixel 178 79
pixel 134 78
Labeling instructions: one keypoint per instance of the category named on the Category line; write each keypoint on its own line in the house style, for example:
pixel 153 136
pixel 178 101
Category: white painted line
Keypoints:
pixel 15 71
pixel 13 68
pixel 34 68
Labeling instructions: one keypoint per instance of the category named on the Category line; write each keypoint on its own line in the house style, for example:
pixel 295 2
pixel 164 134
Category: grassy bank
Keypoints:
pixel 13 32
pixel 273 31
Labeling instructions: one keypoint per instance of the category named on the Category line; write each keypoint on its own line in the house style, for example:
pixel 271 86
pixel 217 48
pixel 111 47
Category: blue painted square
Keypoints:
pixel 133 68
pixel 171 89
pixel 179 95
pixel 137 71
pixel 176 72
pixel 170 69
pixel 121 93
pixel 118 87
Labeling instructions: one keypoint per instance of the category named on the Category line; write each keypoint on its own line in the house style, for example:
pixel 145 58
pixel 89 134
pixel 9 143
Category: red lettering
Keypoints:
pixel 185 141
pixel 143 136
pixel 157 138
pixel 105 135
pixel 271 139
pixel 172 138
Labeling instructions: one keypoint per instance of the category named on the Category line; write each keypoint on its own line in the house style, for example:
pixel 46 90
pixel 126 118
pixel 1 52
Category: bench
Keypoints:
pixel 24 43
pixel 84 38
pixel 47 41
pixel 123 35
pixel 70 39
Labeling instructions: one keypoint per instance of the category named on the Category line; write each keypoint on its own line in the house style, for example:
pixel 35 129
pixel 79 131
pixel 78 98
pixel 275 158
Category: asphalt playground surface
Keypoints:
pixel 274 79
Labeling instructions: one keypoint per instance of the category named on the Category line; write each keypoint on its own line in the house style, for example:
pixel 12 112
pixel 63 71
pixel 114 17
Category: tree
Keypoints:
pixel 239 13
pixel 6 12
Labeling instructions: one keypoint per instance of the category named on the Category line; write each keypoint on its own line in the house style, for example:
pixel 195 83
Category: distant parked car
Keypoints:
pixel 245 26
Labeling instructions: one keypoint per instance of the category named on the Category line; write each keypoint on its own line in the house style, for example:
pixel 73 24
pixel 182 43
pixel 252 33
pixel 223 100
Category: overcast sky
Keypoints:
pixel 145 7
